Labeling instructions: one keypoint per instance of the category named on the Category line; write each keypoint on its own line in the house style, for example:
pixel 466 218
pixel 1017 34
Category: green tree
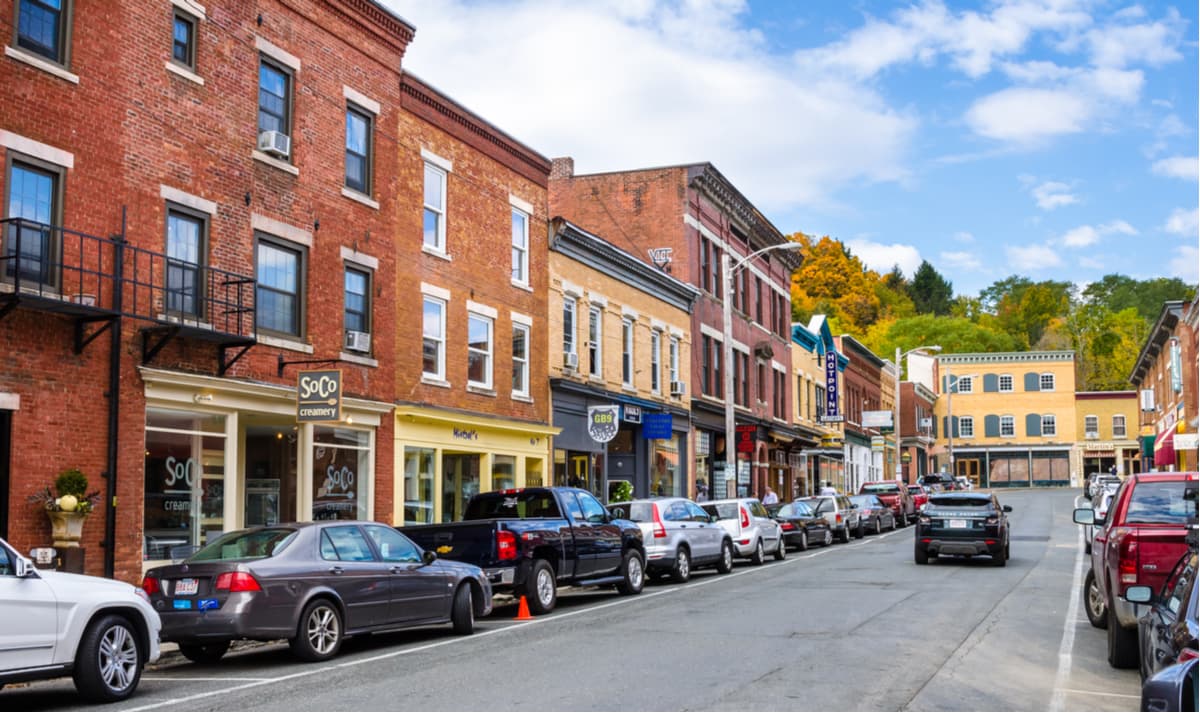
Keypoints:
pixel 931 293
pixel 1024 308
pixel 1118 292
pixel 953 334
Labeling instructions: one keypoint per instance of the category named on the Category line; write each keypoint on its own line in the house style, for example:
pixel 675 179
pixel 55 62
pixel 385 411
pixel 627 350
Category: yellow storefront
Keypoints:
pixel 444 457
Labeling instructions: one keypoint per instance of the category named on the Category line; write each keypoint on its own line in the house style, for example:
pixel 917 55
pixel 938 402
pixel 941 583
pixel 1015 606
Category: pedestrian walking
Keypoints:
pixel 770 498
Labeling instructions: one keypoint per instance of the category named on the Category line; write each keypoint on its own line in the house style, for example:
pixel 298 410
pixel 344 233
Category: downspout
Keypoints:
pixel 114 404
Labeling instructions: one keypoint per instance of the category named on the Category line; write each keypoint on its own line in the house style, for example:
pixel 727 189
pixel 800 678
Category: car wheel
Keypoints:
pixel 920 555
pixel 109 662
pixel 1087 547
pixel 633 573
pixel 682 570
pixel 781 551
pixel 543 592
pixel 1122 643
pixel 319 635
pixel 1093 602
pixel 828 537
pixel 861 530
pixel 725 564
pixel 878 526
pixel 844 535
pixel 803 540
pixel 204 653
pixel 903 519
pixel 1000 559
pixel 462 616
pixel 759 555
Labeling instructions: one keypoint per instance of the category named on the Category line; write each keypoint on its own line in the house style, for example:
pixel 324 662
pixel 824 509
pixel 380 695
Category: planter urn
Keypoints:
pixel 66 527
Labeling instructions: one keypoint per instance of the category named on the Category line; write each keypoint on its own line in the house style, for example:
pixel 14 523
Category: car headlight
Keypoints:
pixel 142 593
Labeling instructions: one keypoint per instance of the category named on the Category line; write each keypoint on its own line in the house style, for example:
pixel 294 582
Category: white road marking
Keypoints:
pixel 1099 693
pixel 1058 700
pixel 202 678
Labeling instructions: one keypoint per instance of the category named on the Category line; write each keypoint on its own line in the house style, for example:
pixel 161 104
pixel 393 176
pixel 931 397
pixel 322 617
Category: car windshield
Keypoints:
pixel 246 545
pixel 866 501
pixel 723 511
pixel 795 509
pixel 959 502
pixel 816 504
pixel 638 512
pixel 512 504
pixel 1160 503
pixel 915 489
pixel 881 488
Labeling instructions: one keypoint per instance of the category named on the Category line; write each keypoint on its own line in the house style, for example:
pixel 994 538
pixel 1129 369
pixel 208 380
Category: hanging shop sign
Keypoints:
pixel 602 422
pixel 631 413
pixel 319 396
pixel 877 419
pixel 746 437
pixel 831 414
pixel 656 426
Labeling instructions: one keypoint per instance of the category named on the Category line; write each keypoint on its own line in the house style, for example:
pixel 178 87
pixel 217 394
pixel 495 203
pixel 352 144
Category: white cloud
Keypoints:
pixel 960 260
pixel 881 258
pixel 1086 235
pixel 1183 222
pixel 1051 195
pixel 1032 257
pixel 1185 167
pixel 1118 226
pixel 1028 115
pixel 1185 264
pixel 1152 42
pixel 963 236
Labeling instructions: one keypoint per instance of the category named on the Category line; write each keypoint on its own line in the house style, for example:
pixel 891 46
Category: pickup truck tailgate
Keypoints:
pixel 473 542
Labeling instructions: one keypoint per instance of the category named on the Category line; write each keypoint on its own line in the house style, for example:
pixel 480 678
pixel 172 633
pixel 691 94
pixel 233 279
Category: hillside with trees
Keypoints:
pixel 1105 324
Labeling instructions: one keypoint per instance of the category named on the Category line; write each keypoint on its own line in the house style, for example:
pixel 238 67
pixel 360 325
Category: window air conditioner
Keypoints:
pixel 677 388
pixel 358 341
pixel 1091 434
pixel 275 143
pixel 570 360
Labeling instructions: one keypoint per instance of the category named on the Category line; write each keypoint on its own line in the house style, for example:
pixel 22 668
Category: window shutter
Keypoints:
pixel 954 424
pixel 1033 421
pixel 1032 381
pixel 991 383
pixel 935 427
pixel 945 424
pixel 991 426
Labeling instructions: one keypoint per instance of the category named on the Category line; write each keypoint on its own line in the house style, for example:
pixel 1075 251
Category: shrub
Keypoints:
pixel 71 481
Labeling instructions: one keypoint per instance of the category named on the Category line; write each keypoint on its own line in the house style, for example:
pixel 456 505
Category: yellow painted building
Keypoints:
pixel 1106 425
pixel 1007 419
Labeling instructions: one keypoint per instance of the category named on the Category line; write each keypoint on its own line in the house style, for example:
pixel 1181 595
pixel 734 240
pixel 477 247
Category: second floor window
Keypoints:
pixel 595 338
pixel 183 40
pixel 1091 426
pixel 966 426
pixel 655 361
pixel 280 285
pixel 1049 425
pixel 42 28
pixel 818 401
pixel 1008 427
pixel 569 304
pixel 520 358
pixel 433 348
pixel 358 302
pixel 479 351
pixel 185 245
pixel 1046 382
pixel 1006 383
pixel 358 151
pixel 673 359
pixel 435 208
pixel 274 98
pixel 33 194
pixel 964 384
pixel 520 247
pixel 627 353
pixel 761 376
pixel 1118 426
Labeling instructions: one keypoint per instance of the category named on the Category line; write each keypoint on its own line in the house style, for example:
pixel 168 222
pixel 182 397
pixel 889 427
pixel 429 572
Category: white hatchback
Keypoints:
pixel 99 631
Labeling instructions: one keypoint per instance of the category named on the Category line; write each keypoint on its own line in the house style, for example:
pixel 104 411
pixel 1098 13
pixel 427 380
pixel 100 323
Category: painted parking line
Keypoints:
pixel 1098 693
pixel 1070 623
pixel 203 678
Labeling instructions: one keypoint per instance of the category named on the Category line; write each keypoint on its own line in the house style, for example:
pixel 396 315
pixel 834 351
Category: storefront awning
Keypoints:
pixel 1164 448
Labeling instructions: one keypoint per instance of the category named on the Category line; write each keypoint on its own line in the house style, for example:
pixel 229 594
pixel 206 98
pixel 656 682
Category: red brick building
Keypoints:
pixel 1165 375
pixel 473 411
pixel 191 212
pixel 861 391
pixel 697 215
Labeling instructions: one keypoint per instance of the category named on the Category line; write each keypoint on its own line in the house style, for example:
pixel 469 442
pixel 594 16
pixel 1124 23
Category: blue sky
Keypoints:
pixel 1055 139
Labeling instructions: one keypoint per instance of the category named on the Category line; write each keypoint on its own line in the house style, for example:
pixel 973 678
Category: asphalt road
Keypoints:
pixel 849 627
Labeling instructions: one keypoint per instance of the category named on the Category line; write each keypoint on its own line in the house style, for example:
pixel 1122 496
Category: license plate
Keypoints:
pixel 186 587
pixel 957 524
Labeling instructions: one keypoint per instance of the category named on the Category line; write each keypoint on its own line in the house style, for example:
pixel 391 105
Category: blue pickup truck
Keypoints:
pixel 530 541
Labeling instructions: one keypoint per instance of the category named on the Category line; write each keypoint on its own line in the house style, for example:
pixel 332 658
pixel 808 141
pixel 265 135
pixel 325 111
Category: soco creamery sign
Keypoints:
pixel 319 396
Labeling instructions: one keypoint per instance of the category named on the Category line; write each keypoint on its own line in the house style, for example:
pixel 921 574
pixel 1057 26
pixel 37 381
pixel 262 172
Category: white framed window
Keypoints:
pixel 1006 383
pixel 1119 426
pixel 655 361
pixel 966 426
pixel 479 350
pixel 965 384
pixel 673 359
pixel 520 247
pixel 1008 427
pixel 1091 426
pixel 435 208
pixel 627 353
pixel 1046 382
pixel 520 359
pixel 433 349
pixel 1049 425
pixel 595 343
pixel 569 306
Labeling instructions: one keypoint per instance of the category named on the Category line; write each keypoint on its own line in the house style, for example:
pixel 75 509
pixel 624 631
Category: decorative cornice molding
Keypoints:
pixel 1003 357
pixel 375 17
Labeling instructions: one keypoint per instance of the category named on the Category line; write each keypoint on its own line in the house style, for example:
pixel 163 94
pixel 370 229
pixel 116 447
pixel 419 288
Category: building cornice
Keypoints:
pixel 1006 357
pixel 761 233
pixel 1105 395
pixel 1159 334
pixel 377 19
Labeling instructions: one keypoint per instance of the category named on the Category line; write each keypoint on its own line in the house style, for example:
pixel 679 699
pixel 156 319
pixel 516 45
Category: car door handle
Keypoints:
pixel 397 569
pixel 335 570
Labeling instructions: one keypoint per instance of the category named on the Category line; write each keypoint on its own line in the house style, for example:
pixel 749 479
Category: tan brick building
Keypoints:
pixel 1106 425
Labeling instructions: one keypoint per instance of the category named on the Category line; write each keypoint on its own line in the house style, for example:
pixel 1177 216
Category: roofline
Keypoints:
pixel 1142 363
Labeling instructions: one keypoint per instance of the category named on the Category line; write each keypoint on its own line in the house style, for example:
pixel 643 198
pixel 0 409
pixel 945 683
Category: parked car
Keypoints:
pixel 920 495
pixel 944 481
pixel 839 512
pixel 530 541
pixel 1167 632
pixel 1101 505
pixel 312 583
pixel 678 536
pixel 99 631
pixel 963 483
pixel 800 525
pixel 753 530
pixel 874 515
pixel 1171 689
pixel 895 495
pixel 963 524
pixel 1140 541
pixel 1099 481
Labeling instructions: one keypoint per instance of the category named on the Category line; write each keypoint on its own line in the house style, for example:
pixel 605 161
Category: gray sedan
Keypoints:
pixel 313 584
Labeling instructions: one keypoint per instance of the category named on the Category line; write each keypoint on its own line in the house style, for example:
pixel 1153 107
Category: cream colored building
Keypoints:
pixel 1106 423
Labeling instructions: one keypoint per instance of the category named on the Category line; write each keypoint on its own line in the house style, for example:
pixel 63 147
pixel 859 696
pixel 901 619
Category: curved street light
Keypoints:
pixel 896 405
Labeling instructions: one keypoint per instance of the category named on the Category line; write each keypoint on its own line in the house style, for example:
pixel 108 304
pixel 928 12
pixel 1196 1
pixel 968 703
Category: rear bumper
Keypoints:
pixel 241 616
pixel 660 559
pixel 1127 613
pixel 501 578
pixel 952 546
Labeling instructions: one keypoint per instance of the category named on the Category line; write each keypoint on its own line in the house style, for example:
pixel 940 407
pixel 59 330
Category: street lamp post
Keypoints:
pixel 728 269
pixel 896 405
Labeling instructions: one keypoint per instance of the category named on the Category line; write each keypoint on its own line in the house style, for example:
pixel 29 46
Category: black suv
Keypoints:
pixel 962 523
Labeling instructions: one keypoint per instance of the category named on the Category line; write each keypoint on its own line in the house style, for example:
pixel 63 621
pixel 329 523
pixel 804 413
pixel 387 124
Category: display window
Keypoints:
pixel 341 480
pixel 184 482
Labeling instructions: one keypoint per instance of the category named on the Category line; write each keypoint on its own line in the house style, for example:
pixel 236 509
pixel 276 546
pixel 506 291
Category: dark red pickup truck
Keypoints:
pixel 1138 543
pixel 894 494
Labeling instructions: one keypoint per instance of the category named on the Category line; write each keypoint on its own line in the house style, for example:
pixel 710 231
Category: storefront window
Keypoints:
pixel 185 482
pixel 576 469
pixel 665 475
pixel 460 480
pixel 703 472
pixel 533 472
pixel 418 484
pixel 341 479
pixel 504 472
pixel 271 469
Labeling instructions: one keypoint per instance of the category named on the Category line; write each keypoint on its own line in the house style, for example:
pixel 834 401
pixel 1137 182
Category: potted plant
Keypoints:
pixel 69 508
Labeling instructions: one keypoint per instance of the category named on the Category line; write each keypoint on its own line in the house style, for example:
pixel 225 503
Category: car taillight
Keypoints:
pixel 150 585
pixel 924 520
pixel 660 532
pixel 838 517
pixel 1127 561
pixel 237 582
pixel 1187 655
pixel 506 545
pixel 786 526
pixel 993 521
pixel 745 517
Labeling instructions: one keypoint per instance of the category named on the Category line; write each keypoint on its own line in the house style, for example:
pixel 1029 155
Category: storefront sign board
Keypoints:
pixel 656 425
pixel 319 396
pixel 602 422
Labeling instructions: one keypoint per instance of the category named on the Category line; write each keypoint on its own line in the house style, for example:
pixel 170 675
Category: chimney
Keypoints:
pixel 562 167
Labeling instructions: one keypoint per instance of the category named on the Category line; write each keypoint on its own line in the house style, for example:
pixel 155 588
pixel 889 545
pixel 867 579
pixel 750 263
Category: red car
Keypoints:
pixel 919 495
pixel 1137 544
pixel 895 495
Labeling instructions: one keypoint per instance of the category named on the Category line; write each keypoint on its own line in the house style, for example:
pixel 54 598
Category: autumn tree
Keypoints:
pixel 930 292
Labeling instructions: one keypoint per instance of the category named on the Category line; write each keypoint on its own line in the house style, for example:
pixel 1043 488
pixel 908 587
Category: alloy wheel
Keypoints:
pixel 323 630
pixel 118 658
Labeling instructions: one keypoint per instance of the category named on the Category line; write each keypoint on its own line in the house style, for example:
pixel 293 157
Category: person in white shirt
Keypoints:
pixel 828 489
pixel 770 498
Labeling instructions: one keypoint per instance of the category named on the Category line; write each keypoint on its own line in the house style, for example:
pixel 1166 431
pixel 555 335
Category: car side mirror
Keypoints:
pixel 1139 594
pixel 1007 508
pixel 853 506
pixel 1084 516
pixel 428 556
pixel 23 568
pixel 713 518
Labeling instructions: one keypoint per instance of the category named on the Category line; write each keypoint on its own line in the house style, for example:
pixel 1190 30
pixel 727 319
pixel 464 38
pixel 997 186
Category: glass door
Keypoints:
pixel 271 467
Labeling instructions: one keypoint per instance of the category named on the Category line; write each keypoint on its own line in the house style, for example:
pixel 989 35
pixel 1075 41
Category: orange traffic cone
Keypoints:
pixel 523 610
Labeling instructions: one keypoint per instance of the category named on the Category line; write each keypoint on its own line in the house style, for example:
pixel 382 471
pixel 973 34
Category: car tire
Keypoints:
pixel 1087 547
pixel 462 615
pixel 759 555
pixel 633 573
pixel 1093 602
pixel 109 662
pixel 725 564
pixel 903 519
pixel 828 538
pixel 319 633
pixel 844 535
pixel 682 571
pixel 1000 559
pixel 1122 643
pixel 542 590
pixel 204 653
pixel 781 551
pixel 803 541
pixel 920 555
pixel 878 526
pixel 861 530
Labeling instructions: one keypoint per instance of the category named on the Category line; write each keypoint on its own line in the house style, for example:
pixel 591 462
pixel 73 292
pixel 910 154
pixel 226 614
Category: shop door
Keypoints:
pixel 968 467
pixel 271 467
pixel 460 480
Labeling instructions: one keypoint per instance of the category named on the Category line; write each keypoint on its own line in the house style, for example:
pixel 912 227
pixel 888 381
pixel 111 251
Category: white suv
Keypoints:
pixel 99 631
pixel 754 531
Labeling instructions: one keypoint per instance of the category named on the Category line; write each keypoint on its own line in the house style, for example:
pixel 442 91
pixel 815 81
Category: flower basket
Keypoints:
pixel 66 527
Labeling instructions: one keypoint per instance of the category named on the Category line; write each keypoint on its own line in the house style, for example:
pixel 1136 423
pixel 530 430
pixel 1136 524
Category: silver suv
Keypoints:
pixel 754 531
pixel 678 536
pixel 839 512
